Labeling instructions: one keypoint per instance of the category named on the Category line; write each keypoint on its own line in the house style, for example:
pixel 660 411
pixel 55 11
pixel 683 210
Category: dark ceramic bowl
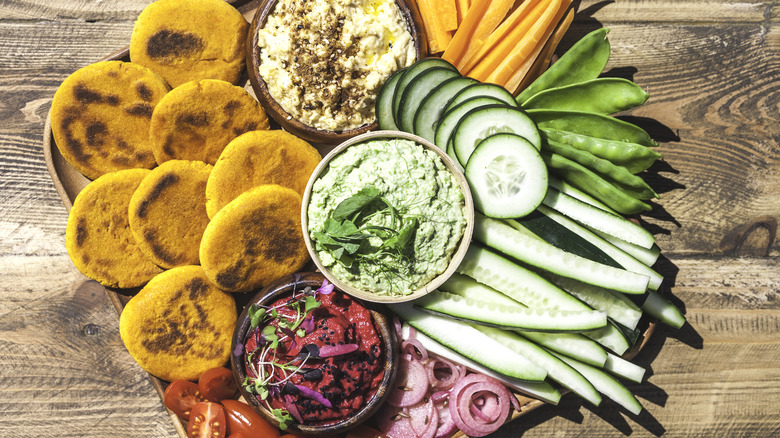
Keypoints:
pixel 385 329
pixel 275 110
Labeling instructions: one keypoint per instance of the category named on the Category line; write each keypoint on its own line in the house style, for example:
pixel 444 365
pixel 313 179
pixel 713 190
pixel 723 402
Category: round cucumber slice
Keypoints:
pixel 481 123
pixel 507 176
pixel 449 120
pixel 384 101
pixel 480 90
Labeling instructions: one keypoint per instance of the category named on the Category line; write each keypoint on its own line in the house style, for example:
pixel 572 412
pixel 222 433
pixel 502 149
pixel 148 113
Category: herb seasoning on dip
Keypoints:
pixel 313 357
pixel 386 216
pixel 324 61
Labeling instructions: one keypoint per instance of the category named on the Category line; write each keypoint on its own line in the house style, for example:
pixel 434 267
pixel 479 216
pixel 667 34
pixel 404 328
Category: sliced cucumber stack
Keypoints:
pixel 416 91
pixel 384 101
pixel 412 72
pixel 431 109
pixel 481 123
pixel 507 176
pixel 481 90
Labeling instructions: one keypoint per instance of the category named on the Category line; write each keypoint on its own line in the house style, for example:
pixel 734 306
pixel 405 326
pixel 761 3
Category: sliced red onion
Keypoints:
pixel 446 426
pixel 440 396
pixel 337 350
pixel 415 348
pixel 314 395
pixel 446 383
pixel 461 400
pixel 289 403
pixel 412 384
pixel 394 423
pixel 424 418
pixel 398 327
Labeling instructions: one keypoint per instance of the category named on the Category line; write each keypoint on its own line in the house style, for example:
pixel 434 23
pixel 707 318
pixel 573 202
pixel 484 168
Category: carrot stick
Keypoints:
pixel 447 14
pixel 545 57
pixel 506 36
pixel 438 38
pixel 480 21
pixel 461 6
pixel 535 37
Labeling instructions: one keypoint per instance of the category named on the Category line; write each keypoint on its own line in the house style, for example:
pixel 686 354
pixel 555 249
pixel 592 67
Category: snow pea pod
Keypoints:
pixel 601 95
pixel 634 157
pixel 618 175
pixel 584 61
pixel 594 185
pixel 592 124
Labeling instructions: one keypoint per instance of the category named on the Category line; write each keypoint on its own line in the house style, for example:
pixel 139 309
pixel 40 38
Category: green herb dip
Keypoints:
pixel 420 201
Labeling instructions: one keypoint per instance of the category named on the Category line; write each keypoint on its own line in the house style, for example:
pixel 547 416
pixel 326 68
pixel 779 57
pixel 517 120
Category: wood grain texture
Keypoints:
pixel 712 71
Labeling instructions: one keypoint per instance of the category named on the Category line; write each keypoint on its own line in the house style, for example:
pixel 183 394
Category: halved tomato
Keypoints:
pixel 181 396
pixel 217 384
pixel 243 419
pixel 207 420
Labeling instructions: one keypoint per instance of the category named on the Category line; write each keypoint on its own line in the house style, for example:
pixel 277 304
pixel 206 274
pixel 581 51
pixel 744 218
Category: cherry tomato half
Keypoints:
pixel 217 384
pixel 207 420
pixel 243 419
pixel 180 397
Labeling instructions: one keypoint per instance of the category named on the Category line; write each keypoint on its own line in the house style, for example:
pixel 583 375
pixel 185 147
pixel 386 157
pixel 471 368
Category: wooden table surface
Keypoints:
pixel 713 73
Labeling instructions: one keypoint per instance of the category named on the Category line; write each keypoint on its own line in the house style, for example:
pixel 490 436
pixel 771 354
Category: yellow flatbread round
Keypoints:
pixel 254 239
pixel 179 325
pixel 256 158
pixel 167 212
pixel 98 237
pixel 196 120
pixel 100 117
pixel 186 40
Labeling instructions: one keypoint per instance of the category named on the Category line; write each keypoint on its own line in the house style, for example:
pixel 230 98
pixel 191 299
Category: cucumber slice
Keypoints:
pixel 616 305
pixel 591 216
pixel 571 344
pixel 509 241
pixel 509 316
pixel 514 281
pixel 416 90
pixel 450 118
pixel 622 259
pixel 481 123
pixel 610 337
pixel 557 369
pixel 648 256
pixel 507 176
pixel 541 390
pixel 606 385
pixel 384 101
pixel 412 72
pixel 483 89
pixel 470 342
pixel 564 187
pixel 431 109
pixel 623 368
pixel 662 309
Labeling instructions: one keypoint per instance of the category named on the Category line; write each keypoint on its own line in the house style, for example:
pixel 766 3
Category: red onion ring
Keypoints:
pixel 416 349
pixel 412 384
pixel 446 383
pixel 446 425
pixel 461 400
pixel 392 422
pixel 424 418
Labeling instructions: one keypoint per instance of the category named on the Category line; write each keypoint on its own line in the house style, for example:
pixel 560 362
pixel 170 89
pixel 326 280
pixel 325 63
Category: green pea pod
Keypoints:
pixel 594 185
pixel 618 175
pixel 634 157
pixel 592 124
pixel 584 61
pixel 602 95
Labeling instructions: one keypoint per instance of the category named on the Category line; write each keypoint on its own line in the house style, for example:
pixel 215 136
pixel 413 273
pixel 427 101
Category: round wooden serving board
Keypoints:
pixel 69 182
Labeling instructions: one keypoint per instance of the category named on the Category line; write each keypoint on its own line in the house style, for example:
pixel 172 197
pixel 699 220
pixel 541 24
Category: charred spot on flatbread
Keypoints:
pixel 186 40
pixel 256 158
pixel 167 212
pixel 100 120
pixel 254 239
pixel 179 325
pixel 98 237
pixel 191 123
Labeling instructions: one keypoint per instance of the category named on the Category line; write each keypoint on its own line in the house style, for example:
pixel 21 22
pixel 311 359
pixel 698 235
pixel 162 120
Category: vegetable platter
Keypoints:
pixel 538 103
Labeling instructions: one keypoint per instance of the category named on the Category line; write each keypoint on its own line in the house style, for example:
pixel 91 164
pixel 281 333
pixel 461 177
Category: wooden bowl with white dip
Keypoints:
pixel 318 74
pixel 387 216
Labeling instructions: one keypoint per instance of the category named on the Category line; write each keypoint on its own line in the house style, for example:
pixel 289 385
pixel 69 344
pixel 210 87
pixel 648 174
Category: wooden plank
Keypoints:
pixel 676 11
